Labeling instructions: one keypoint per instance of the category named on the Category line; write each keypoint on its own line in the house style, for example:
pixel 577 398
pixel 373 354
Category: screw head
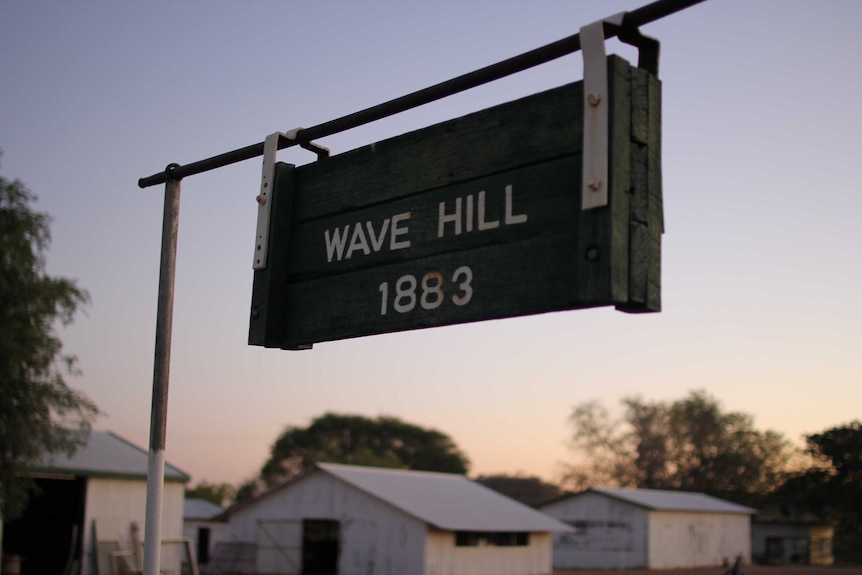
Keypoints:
pixel 593 100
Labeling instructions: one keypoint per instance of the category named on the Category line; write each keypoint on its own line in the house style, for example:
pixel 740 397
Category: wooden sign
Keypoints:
pixel 476 218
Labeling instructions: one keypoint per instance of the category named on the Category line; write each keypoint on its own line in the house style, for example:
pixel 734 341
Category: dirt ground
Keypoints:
pixel 747 570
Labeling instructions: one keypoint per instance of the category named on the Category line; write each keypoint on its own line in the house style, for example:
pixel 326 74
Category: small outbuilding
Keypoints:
pixel 351 520
pixel 203 527
pixel 88 515
pixel 648 528
pixel 779 540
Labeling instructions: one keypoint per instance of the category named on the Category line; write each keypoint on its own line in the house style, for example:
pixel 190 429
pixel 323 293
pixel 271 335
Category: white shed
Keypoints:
pixel 348 520
pixel 90 511
pixel 778 540
pixel 203 527
pixel 648 528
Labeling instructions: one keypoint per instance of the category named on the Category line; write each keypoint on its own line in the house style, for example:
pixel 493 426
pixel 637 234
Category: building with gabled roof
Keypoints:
pixel 90 510
pixel 345 520
pixel 782 538
pixel 616 528
pixel 203 526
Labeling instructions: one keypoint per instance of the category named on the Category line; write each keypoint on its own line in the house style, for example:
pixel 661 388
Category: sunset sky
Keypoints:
pixel 762 261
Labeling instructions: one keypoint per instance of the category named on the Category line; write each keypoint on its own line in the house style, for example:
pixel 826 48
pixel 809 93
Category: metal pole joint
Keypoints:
pixel 170 173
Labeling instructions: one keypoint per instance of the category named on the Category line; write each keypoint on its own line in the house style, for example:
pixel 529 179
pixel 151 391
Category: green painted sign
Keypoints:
pixel 476 218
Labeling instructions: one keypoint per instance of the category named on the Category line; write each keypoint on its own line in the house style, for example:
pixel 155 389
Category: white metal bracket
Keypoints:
pixel 264 200
pixel 594 193
pixel 267 181
pixel 321 151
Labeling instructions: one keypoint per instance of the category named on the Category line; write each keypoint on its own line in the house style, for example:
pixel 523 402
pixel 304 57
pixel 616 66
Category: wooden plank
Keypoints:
pixel 656 221
pixel 527 131
pixel 645 206
pixel 383 300
pixel 639 263
pixel 267 297
pixel 603 233
pixel 507 206
pixel 619 173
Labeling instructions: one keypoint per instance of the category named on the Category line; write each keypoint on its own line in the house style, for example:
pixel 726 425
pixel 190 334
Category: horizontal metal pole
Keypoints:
pixel 568 45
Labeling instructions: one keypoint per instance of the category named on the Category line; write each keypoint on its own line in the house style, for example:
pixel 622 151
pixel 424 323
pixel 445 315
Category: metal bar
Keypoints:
pixel 656 11
pixel 161 373
pixel 552 51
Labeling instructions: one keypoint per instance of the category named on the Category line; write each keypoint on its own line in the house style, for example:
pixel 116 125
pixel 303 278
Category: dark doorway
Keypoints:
pixel 320 538
pixel 48 536
pixel 774 550
pixel 203 545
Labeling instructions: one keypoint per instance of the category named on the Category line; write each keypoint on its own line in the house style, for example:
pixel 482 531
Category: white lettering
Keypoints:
pixel 512 219
pixel 394 244
pixel 366 238
pixel 377 242
pixel 454 218
pixel 358 242
pixel 433 294
pixel 466 273
pixel 483 225
pixel 335 245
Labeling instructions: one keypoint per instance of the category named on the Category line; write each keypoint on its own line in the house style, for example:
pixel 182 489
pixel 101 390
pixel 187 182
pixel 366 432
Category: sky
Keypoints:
pixel 762 255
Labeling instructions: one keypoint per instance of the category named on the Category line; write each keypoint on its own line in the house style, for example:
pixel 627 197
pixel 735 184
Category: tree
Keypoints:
pixel 689 444
pixel 831 489
pixel 39 413
pixel 336 438
pixel 529 490
pixel 218 493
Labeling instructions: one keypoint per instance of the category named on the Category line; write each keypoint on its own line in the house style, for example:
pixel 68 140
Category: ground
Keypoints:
pixel 747 570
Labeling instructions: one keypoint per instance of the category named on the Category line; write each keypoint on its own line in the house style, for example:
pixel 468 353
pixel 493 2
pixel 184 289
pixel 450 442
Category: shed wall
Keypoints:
pixel 444 558
pixel 218 532
pixel 375 538
pixel 817 542
pixel 609 534
pixel 688 539
pixel 113 505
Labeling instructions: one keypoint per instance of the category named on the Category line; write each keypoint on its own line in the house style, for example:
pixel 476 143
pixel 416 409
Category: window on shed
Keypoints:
pixel 491 539
pixel 466 539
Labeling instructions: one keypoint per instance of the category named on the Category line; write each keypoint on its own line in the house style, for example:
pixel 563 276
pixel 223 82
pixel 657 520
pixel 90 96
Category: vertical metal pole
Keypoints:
pixel 161 372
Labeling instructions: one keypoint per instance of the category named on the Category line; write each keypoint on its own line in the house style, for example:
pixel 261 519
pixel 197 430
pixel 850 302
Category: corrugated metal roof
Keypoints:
pixel 660 500
pixel 105 455
pixel 446 501
pixel 195 508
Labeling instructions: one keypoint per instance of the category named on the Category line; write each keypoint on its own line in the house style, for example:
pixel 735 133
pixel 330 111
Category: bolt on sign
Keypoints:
pixel 477 218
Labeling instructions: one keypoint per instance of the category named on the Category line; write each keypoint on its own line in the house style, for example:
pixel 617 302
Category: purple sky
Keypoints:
pixel 762 273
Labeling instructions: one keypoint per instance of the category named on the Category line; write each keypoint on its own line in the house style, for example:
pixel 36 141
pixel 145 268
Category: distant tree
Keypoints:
pixel 605 447
pixel 377 442
pixel 39 413
pixel 831 489
pixel 248 489
pixel 529 490
pixel 689 444
pixel 218 493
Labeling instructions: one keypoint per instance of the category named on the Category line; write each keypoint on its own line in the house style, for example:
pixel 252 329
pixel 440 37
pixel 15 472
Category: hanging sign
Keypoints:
pixel 477 218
